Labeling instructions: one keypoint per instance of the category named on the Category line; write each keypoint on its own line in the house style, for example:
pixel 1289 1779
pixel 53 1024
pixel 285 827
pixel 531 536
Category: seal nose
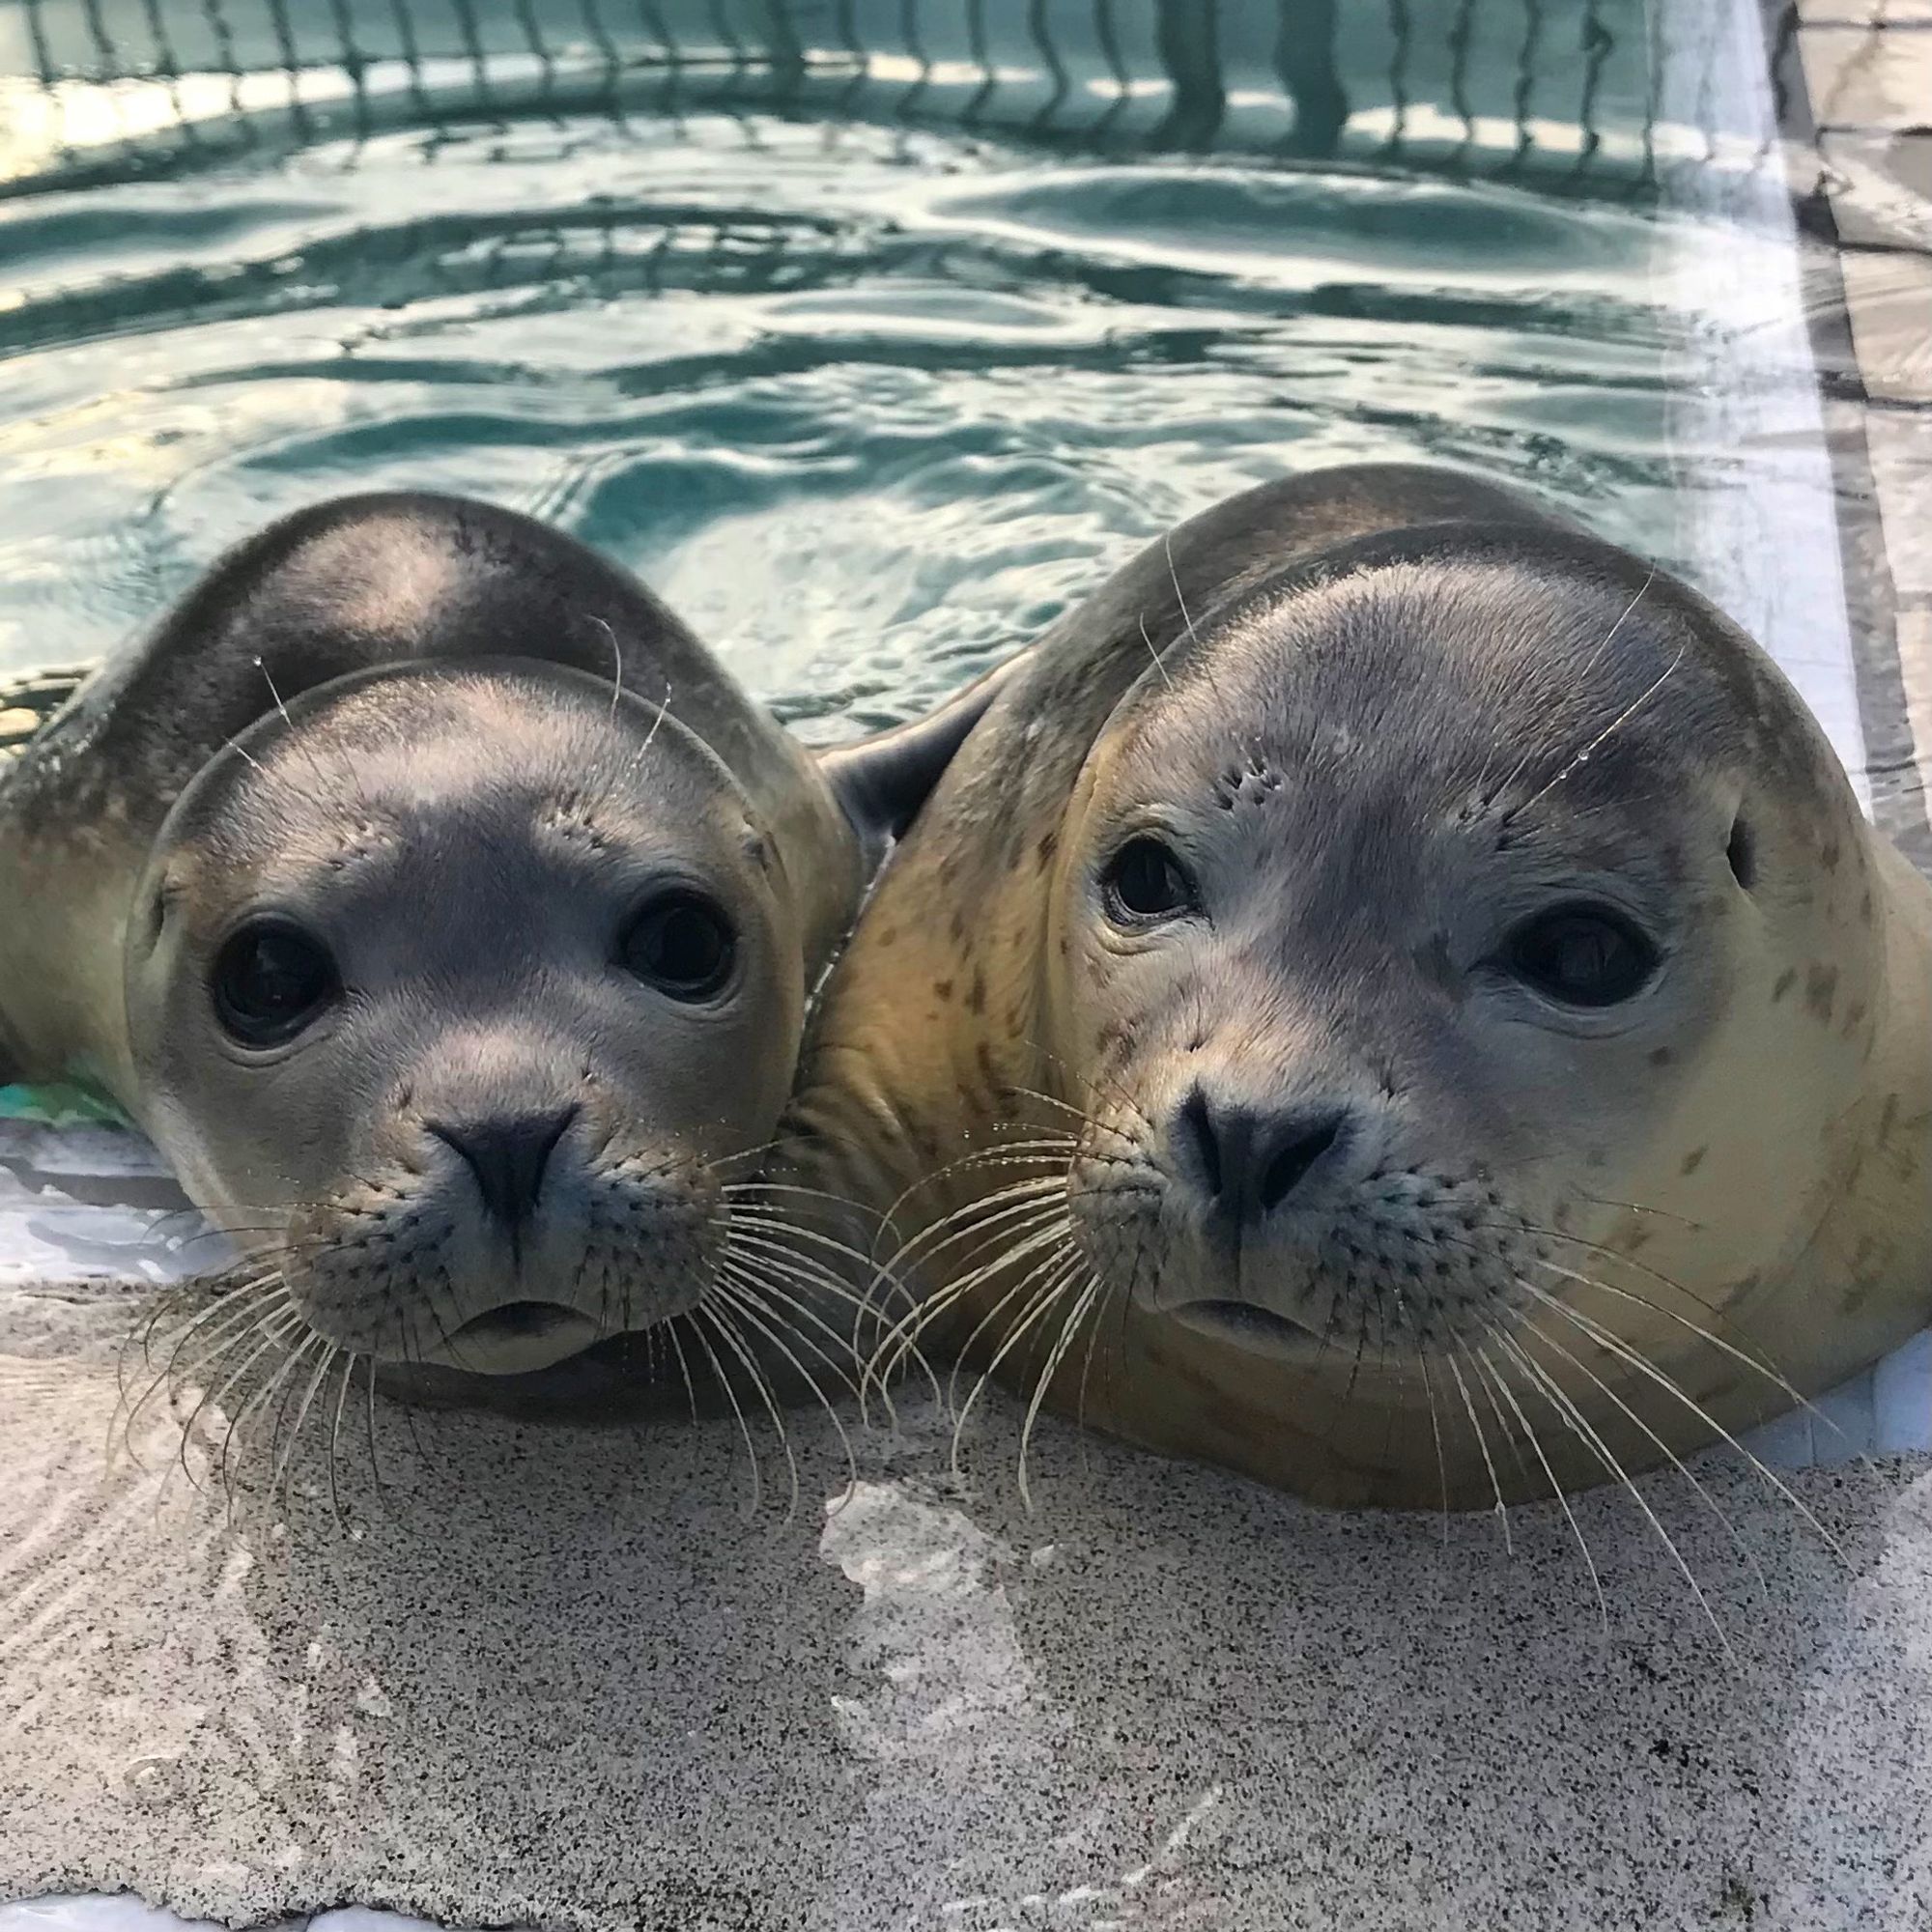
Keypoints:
pixel 1248 1161
pixel 507 1155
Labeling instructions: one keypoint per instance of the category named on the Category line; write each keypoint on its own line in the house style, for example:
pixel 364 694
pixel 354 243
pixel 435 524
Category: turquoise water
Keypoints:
pixel 869 404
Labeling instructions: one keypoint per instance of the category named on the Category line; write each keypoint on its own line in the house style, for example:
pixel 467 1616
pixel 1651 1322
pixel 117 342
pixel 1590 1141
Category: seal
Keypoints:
pixel 1397 998
pixel 448 917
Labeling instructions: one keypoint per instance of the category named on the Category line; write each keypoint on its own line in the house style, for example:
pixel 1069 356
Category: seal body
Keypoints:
pixel 1397 998
pixel 447 916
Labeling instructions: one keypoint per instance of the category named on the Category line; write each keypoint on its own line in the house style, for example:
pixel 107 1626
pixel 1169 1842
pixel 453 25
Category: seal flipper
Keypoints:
pixel 882 781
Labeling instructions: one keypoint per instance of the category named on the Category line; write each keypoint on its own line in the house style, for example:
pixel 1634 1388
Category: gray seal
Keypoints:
pixel 1397 998
pixel 448 917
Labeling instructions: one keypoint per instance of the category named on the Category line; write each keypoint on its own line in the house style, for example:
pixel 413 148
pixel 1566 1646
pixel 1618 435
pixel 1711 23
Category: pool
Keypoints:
pixel 872 334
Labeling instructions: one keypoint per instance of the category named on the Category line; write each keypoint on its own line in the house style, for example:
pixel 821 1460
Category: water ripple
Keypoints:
pixel 703 346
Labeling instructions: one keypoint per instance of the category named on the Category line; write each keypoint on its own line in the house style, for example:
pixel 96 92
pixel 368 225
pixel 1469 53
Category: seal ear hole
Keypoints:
pixel 1740 853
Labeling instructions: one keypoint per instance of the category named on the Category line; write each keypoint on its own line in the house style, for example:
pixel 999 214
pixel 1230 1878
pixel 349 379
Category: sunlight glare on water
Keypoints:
pixel 868 406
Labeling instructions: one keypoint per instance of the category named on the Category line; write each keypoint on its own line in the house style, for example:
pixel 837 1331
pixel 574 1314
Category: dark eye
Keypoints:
pixel 682 945
pixel 1145 882
pixel 270 979
pixel 1584 955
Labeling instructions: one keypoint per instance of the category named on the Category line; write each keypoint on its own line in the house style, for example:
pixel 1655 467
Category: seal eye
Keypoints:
pixel 1584 955
pixel 270 979
pixel 1145 882
pixel 680 944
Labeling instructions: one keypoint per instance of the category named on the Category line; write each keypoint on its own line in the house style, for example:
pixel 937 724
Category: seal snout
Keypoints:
pixel 507 1156
pixel 1250 1160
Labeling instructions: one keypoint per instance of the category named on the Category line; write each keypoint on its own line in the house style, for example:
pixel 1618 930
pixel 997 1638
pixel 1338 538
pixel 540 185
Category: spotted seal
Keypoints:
pixel 1397 998
pixel 448 917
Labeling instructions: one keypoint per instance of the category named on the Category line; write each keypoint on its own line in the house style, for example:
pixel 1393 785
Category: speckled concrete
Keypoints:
pixel 560 1678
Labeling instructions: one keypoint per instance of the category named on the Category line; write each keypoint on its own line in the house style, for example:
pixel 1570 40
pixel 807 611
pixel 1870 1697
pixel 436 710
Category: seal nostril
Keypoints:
pixel 1288 1167
pixel 507 1156
pixel 1198 1124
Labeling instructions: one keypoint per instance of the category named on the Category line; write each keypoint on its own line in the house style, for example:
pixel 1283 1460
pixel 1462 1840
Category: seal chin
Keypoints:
pixel 515 1339
pixel 1247 1326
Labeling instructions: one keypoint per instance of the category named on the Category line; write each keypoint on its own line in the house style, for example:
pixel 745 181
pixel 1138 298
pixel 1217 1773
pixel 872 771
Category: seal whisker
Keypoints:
pixel 980 1157
pixel 1675 1461
pixel 782 1293
pixel 977 1217
pixel 723 1381
pixel 277 1377
pixel 311 1341
pixel 906 1332
pixel 1597 743
pixel 1093 1334
pixel 1595 1442
pixel 728 1333
pixel 207 1361
pixel 1174 577
pixel 1504 1433
pixel 1743 1357
pixel 617 662
pixel 1555 1488
pixel 769 1272
pixel 804 1278
pixel 348 1360
pixel 330 1352
pixel 317 798
pixel 775 1304
pixel 1607 1253
pixel 1153 654
pixel 1483 1443
pixel 750 1217
pixel 1084 1304
pixel 224 1317
pixel 1023 1222
pixel 1113 1090
pixel 1529 752
pixel 747 1306
pixel 1436 1433
pixel 1041 1298
pixel 1613 1345
pixel 670 1329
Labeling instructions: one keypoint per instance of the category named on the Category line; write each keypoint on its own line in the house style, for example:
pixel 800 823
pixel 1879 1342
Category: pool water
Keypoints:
pixel 867 402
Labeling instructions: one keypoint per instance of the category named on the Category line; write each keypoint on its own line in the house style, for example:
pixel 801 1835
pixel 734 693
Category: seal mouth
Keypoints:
pixel 1257 1330
pixel 517 1337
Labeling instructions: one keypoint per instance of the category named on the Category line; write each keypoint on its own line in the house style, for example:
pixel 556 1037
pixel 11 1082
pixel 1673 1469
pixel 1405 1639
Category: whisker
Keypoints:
pixel 328 1363
pixel 728 1334
pixel 1675 1461
pixel 698 1336
pixel 1596 1444
pixel 1082 1306
pixel 1613 1345
pixel 1555 1488
pixel 1739 1355
pixel 1044 1298
pixel 689 1391
pixel 749 1310
pixel 1483 1443
pixel 336 1438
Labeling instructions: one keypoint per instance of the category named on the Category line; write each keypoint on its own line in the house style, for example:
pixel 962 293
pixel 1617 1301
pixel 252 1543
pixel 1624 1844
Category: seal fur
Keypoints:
pixel 1310 1173
pixel 473 787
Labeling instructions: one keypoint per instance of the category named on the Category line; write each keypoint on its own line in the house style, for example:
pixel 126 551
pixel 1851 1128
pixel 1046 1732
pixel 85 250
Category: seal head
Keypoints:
pixel 1467 1034
pixel 449 919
